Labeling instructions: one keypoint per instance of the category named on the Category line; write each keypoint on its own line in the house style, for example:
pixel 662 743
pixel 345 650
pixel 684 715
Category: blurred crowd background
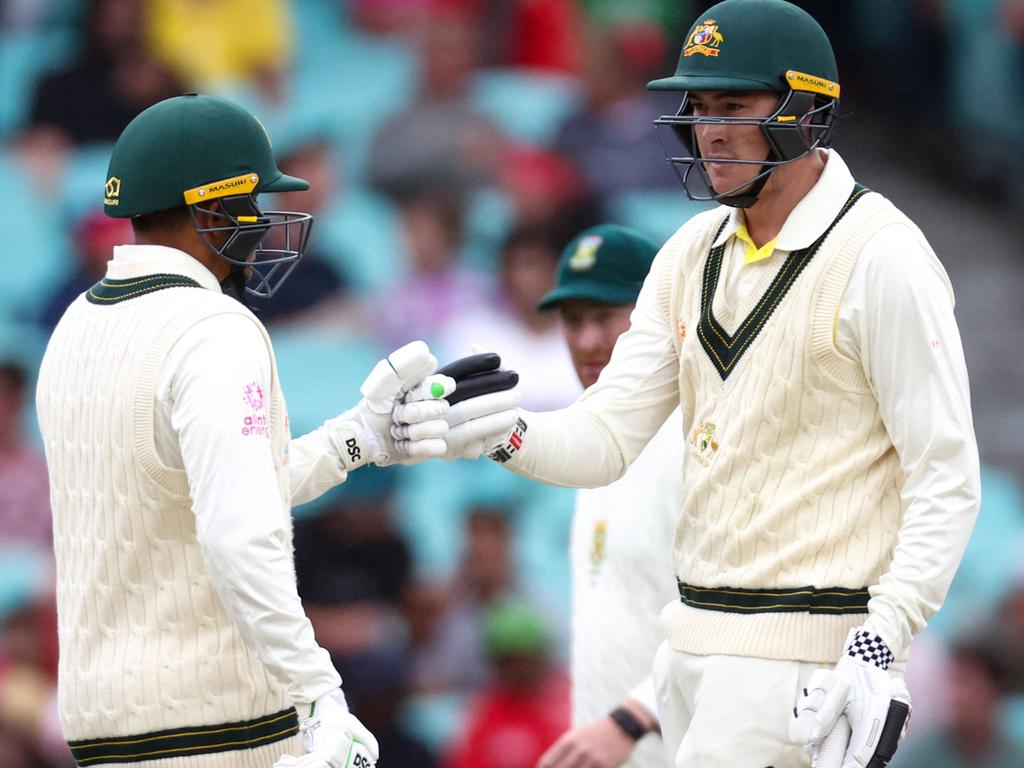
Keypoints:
pixel 453 148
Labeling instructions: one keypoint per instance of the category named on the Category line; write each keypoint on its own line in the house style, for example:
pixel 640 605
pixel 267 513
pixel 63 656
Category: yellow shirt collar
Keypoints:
pixel 752 253
pixel 812 215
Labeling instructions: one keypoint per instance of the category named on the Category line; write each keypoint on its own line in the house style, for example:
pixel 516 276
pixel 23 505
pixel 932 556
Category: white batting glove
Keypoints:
pixel 332 737
pixel 401 418
pixel 483 405
pixel 481 424
pixel 876 705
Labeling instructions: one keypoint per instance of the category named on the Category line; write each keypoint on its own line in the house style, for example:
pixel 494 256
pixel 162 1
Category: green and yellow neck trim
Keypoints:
pixel 725 349
pixel 108 291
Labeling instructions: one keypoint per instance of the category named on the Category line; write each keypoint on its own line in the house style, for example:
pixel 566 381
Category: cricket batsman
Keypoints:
pixel 183 643
pixel 805 328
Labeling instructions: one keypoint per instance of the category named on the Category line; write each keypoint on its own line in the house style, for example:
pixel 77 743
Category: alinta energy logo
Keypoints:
pixel 112 191
pixel 705 39
pixel 255 423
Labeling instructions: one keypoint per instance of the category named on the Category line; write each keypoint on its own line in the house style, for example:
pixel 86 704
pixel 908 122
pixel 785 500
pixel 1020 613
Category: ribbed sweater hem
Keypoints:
pixel 784 636
pixel 260 757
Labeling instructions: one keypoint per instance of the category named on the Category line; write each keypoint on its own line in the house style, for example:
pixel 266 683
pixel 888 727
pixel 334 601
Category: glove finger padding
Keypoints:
pixel 471 365
pixel 818 707
pixel 880 727
pixel 484 405
pixel 399 372
pixel 489 428
pixel 433 387
pixel 482 384
pixel 418 424
pixel 476 375
pixel 420 411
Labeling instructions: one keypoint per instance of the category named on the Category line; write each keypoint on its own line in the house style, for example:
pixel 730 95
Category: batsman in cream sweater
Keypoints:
pixel 182 638
pixel 805 328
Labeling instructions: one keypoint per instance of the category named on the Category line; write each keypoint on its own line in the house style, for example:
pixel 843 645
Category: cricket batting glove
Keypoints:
pixel 332 737
pixel 401 418
pixel 876 705
pixel 483 406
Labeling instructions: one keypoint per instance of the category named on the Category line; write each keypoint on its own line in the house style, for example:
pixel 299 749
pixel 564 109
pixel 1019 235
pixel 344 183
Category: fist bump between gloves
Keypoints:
pixel 332 737
pixel 876 704
pixel 401 418
pixel 483 406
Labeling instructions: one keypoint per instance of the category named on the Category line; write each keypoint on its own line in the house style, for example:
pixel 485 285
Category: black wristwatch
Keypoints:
pixel 628 722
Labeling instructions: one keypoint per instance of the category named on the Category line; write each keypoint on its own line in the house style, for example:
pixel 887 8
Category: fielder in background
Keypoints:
pixel 621 546
pixel 183 641
pixel 806 329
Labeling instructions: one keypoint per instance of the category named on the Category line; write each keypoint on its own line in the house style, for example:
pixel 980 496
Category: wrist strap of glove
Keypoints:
pixel 628 722
pixel 869 648
pixel 511 445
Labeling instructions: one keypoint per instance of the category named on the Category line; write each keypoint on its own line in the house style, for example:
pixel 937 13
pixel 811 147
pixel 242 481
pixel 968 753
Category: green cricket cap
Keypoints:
pixel 514 628
pixel 606 263
pixel 189 149
pixel 755 45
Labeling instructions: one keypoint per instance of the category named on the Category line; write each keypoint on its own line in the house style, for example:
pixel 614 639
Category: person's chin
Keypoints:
pixel 588 373
pixel 732 186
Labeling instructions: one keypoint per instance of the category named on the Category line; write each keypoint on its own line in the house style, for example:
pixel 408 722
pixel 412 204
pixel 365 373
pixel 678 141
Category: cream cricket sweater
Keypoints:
pixel 146 646
pixel 793 486
pixel 800 504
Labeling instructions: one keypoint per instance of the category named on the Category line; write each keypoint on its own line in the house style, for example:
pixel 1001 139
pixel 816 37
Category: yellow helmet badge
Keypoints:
pixel 586 253
pixel 705 39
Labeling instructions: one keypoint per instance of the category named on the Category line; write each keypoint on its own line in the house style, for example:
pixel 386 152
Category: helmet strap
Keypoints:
pixel 748 198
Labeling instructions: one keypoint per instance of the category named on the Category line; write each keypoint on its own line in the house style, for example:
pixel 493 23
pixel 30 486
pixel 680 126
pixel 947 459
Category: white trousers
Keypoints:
pixel 728 711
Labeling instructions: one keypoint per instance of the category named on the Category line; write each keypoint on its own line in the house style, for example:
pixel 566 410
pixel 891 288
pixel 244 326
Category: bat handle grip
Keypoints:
pixel 833 747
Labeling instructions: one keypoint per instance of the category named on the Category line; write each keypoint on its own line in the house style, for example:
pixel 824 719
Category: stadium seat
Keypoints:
pixel 82 188
pixel 34 240
pixel 527 106
pixel 657 213
pixel 24 58
pixel 991 560
pixel 361 236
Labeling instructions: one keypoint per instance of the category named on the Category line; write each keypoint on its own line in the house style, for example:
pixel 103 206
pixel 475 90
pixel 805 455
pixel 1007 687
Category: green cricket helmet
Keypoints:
pixel 197 150
pixel 754 45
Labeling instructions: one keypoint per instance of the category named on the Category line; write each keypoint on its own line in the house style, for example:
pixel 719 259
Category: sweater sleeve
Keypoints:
pixel 919 376
pixel 592 442
pixel 241 523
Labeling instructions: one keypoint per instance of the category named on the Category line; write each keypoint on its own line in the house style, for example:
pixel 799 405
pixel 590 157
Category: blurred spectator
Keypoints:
pixel 24 489
pixel 449 652
pixel 315 291
pixel 355 541
pixel 1007 631
pixel 611 138
pixel 541 35
pixel 525 707
pixel 353 571
pixel 441 140
pixel 203 43
pixel 111 81
pixel 18 15
pixel 434 289
pixel 544 190
pixel 95 236
pixel 973 737
pixel 28 660
pixel 529 340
